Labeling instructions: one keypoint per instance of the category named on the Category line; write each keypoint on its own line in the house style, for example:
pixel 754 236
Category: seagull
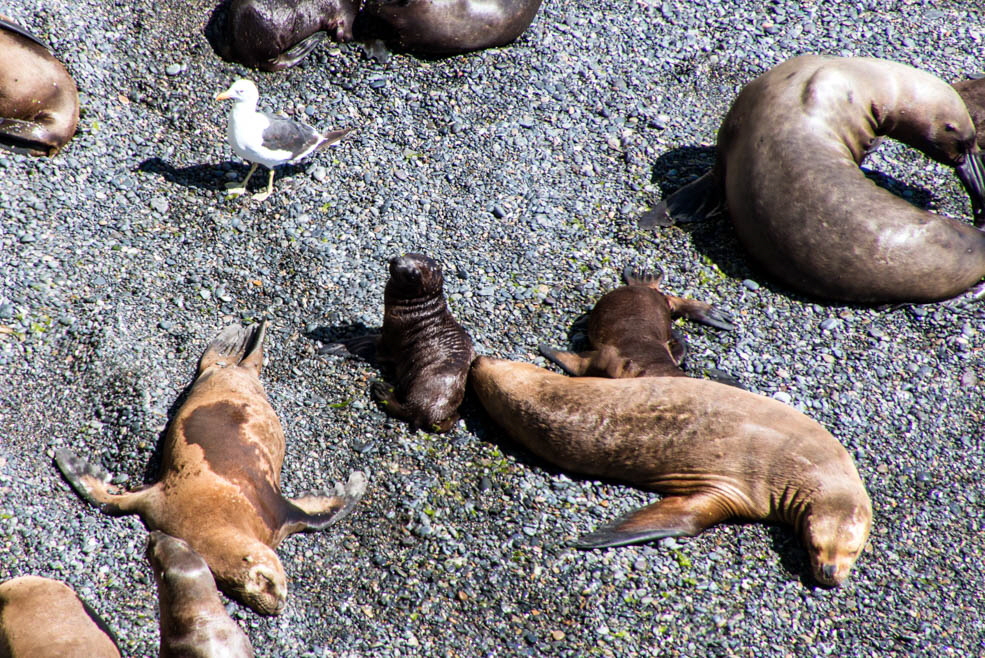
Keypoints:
pixel 267 139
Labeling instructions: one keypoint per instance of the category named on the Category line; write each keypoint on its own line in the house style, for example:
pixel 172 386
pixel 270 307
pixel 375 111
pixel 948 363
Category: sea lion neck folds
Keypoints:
pixel 715 452
pixel 219 485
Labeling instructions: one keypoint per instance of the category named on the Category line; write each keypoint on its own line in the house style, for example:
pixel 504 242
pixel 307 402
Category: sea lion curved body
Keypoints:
pixel 276 34
pixel 44 618
pixel 788 160
pixel 447 27
pixel 715 452
pixel 193 620
pixel 631 334
pixel 219 485
pixel 39 102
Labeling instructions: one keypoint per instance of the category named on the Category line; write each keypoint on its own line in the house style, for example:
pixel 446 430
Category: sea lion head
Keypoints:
pixel 252 573
pixel 413 276
pixel 178 568
pixel 834 531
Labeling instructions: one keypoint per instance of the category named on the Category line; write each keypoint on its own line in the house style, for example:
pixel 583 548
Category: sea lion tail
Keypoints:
pixel 236 345
pixel 699 199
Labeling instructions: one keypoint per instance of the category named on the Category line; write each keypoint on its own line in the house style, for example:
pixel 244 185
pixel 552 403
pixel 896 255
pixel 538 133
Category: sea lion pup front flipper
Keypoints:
pixel 680 307
pixel 700 199
pixel 673 516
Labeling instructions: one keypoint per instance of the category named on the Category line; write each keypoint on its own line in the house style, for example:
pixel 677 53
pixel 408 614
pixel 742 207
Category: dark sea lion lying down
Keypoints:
pixel 219 485
pixel 715 452
pixel 631 334
pixel 788 160
pixel 39 102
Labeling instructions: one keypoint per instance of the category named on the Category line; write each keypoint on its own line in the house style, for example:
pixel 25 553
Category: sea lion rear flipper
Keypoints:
pixel 638 277
pixel 296 53
pixel 236 346
pixel 313 512
pixel 573 364
pixel 701 312
pixel 972 175
pixel 360 347
pixel 91 482
pixel 697 200
pixel 674 516
pixel 28 136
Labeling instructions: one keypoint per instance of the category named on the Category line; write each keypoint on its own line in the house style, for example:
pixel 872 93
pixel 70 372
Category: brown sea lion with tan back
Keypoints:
pixel 787 169
pixel 716 453
pixel 219 484
pixel 44 618
pixel 631 333
pixel 39 102
pixel 192 618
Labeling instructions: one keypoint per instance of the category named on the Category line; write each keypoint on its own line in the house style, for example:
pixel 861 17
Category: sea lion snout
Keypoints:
pixel 265 589
pixel 835 533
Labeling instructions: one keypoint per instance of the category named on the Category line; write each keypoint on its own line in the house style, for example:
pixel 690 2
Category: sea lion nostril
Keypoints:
pixel 829 571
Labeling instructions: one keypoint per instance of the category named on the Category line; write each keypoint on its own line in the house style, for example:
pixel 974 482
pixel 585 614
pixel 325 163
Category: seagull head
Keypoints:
pixel 241 91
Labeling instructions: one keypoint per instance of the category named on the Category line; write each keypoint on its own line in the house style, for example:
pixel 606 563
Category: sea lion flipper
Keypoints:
pixel 236 345
pixel 296 53
pixel 701 312
pixel 360 347
pixel 699 199
pixel 677 346
pixel 27 135
pixel 674 516
pixel 315 512
pixel 91 483
pixel 639 277
pixel 971 172
pixel 573 364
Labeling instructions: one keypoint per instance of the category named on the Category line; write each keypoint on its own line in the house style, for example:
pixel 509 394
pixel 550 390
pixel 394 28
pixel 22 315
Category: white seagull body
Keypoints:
pixel 267 139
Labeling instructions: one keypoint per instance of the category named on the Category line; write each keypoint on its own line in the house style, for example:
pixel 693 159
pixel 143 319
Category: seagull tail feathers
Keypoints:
pixel 333 137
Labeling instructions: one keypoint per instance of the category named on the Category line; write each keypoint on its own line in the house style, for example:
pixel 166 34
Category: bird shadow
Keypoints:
pixel 212 176
pixel 716 237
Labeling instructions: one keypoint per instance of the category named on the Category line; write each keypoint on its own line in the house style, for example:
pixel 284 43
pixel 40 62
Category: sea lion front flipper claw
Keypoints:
pixel 573 364
pixel 674 516
pixel 314 512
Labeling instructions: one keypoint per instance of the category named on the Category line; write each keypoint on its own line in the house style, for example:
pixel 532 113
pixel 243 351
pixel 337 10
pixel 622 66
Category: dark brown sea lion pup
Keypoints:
pixel 421 348
pixel 630 331
pixel 447 27
pixel 276 34
pixel 43 618
pixel 219 486
pixel 715 452
pixel 193 620
pixel 787 166
pixel 39 102
pixel 972 92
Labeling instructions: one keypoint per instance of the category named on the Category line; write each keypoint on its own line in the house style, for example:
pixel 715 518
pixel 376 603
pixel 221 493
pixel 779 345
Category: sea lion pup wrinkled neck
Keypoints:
pixel 630 331
pixel 44 618
pixel 448 27
pixel 715 452
pixel 193 620
pixel 787 167
pixel 39 102
pixel 219 483
pixel 276 34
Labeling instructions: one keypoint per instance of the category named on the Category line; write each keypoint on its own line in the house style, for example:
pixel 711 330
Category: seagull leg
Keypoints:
pixel 240 188
pixel 260 196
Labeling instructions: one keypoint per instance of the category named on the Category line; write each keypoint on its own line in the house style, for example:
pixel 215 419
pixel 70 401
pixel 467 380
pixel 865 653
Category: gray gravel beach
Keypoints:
pixel 522 170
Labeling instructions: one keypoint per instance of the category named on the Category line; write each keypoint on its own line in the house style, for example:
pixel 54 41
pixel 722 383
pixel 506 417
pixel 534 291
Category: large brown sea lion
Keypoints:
pixel 447 27
pixel 717 453
pixel 972 92
pixel 276 34
pixel 193 619
pixel 43 618
pixel 219 486
pixel 421 348
pixel 39 102
pixel 788 160
pixel 630 331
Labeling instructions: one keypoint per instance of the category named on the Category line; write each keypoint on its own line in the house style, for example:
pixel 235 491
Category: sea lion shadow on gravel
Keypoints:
pixel 207 176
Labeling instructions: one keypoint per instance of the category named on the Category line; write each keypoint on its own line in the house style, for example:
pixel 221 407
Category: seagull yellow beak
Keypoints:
pixel 223 95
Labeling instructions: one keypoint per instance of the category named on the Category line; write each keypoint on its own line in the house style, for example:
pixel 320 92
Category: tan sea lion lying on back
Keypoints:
pixel 715 452
pixel 219 486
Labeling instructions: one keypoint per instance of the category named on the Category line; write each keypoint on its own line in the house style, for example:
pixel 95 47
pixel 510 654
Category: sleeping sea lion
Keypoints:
pixel 421 348
pixel 44 618
pixel 193 619
pixel 630 331
pixel 276 34
pixel 39 102
pixel 787 167
pixel 715 452
pixel 219 485
pixel 448 27
pixel 972 92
